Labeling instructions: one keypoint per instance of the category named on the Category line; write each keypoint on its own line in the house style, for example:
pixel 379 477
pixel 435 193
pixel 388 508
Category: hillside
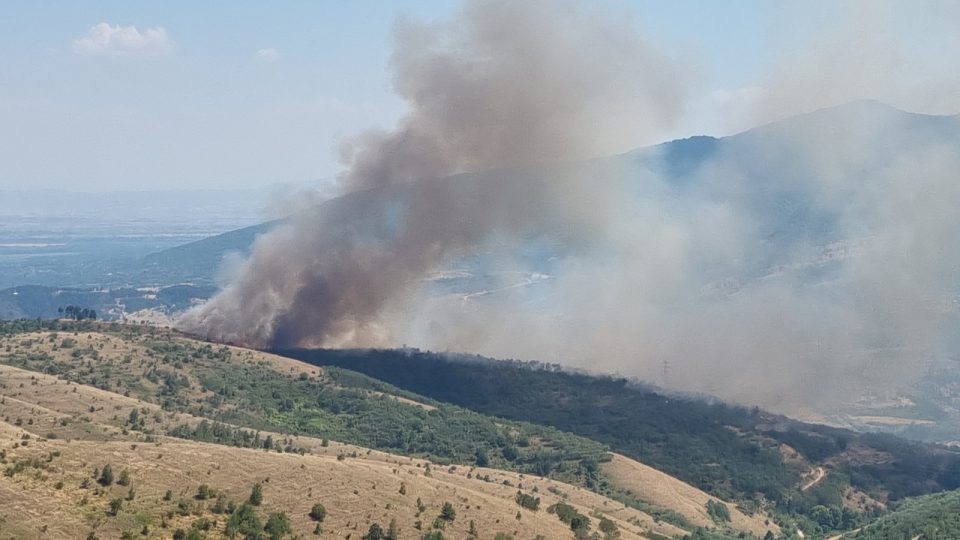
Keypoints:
pixel 932 517
pixel 743 454
pixel 176 413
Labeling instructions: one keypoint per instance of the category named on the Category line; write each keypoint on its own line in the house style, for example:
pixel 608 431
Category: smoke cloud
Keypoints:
pixel 783 266
pixel 505 85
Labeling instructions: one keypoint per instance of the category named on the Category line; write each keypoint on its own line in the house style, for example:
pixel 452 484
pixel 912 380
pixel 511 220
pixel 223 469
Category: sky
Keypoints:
pixel 129 95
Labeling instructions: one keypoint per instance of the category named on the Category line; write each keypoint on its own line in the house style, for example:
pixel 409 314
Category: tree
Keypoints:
pixel 718 511
pixel 124 478
pixel 609 528
pixel 318 513
pixel 528 501
pixel 243 521
pixel 115 505
pixel 256 495
pixel 106 475
pixel 447 513
pixel 278 525
pixel 374 533
pixel 205 492
pixel 481 458
pixel 393 531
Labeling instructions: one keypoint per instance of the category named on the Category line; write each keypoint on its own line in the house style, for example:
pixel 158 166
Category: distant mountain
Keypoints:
pixel 199 261
pixel 778 151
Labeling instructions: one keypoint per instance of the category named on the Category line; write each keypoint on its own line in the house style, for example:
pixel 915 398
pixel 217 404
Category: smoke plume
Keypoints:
pixel 506 85
pixel 780 266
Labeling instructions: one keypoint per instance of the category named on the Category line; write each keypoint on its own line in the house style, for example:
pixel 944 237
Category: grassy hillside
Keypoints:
pixel 54 488
pixel 743 454
pixel 93 393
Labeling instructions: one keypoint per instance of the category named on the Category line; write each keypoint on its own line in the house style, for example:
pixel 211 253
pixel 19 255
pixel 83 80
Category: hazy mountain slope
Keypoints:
pixel 201 259
pixel 111 384
pixel 778 151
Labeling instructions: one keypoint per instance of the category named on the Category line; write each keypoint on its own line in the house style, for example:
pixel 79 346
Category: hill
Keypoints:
pixel 177 413
pixel 741 454
pixel 932 517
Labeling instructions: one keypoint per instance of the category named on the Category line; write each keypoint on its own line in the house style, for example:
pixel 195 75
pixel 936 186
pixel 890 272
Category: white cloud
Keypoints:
pixel 267 55
pixel 104 39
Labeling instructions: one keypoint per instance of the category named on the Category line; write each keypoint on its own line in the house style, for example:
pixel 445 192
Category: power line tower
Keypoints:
pixel 666 372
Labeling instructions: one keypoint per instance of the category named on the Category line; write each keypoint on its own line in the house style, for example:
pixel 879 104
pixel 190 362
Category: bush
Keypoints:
pixel 528 501
pixel 318 513
pixel 447 513
pixel 115 506
pixel 205 492
pixel 244 522
pixel 124 478
pixel 374 533
pixel 278 526
pixel 718 512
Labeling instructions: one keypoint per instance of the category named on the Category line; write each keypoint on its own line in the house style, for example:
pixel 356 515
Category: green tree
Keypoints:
pixel 718 511
pixel 115 506
pixel 481 458
pixel 318 512
pixel 256 495
pixel 278 525
pixel 609 529
pixel 205 492
pixel 243 521
pixel 106 475
pixel 374 533
pixel 447 513
pixel 124 479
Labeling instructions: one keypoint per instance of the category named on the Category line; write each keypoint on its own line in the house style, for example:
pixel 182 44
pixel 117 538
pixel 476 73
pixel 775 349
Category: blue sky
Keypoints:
pixel 230 94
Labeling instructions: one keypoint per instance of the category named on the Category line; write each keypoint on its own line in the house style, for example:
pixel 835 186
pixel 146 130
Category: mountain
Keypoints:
pixel 791 151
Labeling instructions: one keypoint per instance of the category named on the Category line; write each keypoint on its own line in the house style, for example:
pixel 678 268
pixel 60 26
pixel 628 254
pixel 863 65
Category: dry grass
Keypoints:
pixel 356 491
pixel 69 429
pixel 657 488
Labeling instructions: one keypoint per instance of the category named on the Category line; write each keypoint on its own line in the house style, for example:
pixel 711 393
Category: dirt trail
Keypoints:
pixel 819 474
